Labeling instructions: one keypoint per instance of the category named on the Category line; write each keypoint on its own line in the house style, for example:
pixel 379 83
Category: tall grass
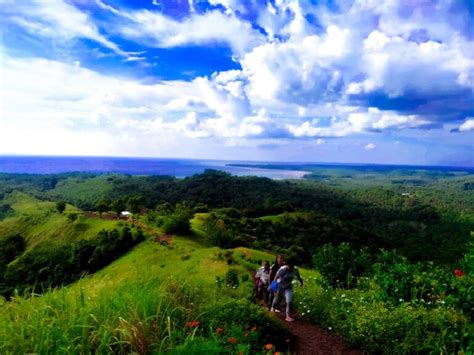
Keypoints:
pixel 138 317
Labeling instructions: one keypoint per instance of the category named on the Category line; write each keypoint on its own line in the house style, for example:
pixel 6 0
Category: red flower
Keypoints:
pixel 254 329
pixel 276 353
pixel 232 340
pixel 458 273
pixel 219 330
pixel 246 334
pixel 192 324
pixel 268 346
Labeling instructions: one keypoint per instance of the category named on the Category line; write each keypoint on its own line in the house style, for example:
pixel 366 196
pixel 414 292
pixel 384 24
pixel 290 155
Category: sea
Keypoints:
pixel 137 166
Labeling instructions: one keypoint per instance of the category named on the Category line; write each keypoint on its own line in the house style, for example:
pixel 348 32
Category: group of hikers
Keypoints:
pixel 274 282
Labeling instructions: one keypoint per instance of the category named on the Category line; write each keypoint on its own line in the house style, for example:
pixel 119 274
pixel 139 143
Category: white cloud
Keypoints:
pixel 155 29
pixel 56 19
pixel 468 125
pixel 297 80
pixel 370 146
pixel 349 122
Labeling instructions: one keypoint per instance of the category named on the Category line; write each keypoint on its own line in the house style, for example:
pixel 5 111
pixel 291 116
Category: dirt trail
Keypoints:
pixel 313 340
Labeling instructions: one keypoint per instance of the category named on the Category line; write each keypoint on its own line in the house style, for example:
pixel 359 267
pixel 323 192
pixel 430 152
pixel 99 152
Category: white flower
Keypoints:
pixel 330 328
pixel 401 299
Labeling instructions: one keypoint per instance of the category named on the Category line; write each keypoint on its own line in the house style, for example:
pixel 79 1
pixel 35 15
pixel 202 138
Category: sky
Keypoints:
pixel 357 81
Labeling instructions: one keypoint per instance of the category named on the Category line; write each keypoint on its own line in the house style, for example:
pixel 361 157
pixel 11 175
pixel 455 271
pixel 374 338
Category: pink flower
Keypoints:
pixel 458 273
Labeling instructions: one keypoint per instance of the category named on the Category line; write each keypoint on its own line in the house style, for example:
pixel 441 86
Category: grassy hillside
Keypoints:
pixel 38 222
pixel 143 301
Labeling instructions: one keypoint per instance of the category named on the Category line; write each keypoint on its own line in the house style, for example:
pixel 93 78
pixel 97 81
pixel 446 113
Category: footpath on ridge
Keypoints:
pixel 311 339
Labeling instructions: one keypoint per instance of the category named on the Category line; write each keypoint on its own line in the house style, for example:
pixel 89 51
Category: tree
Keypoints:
pixel 61 206
pixel 135 203
pixel 118 206
pixel 102 206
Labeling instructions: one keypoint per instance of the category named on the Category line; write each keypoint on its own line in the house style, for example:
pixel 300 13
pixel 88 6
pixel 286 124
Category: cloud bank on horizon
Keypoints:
pixel 331 80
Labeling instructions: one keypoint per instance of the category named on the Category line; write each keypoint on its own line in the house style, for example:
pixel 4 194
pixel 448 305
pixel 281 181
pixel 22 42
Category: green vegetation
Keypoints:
pixel 389 267
pixel 150 300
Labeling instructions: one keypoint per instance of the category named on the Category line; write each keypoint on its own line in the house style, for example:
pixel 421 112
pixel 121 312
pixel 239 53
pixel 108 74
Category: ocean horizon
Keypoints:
pixel 178 167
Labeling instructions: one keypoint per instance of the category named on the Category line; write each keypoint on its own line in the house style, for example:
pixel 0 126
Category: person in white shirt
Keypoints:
pixel 263 275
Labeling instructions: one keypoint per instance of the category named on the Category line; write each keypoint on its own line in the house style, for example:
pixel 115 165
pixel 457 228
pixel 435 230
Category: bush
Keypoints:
pixel 342 264
pixel 232 278
pixel 218 234
pixel 178 222
pixel 382 328
pixel 10 248
pixel 246 316
pixel 427 284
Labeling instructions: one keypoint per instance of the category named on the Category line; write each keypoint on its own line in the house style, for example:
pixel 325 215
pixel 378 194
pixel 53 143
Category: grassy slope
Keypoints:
pixel 39 222
pixel 129 291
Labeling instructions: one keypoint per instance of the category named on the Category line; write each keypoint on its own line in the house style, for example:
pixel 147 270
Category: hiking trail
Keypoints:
pixel 313 340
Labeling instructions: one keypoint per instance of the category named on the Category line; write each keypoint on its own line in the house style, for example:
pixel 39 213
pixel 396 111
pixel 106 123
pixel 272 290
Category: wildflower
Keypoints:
pixel 232 340
pixel 192 324
pixel 268 346
pixel 219 330
pixel 254 329
pixel 458 273
pixel 330 328
pixel 246 334
pixel 401 299
pixel 276 353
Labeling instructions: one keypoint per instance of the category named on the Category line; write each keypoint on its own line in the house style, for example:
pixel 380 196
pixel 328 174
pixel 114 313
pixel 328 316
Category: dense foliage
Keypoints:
pixel 417 223
pixel 42 268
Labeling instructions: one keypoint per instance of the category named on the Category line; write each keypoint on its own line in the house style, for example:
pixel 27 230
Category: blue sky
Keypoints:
pixel 324 81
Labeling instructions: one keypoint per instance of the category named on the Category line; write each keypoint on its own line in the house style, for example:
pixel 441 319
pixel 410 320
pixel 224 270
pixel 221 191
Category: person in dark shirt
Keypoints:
pixel 279 262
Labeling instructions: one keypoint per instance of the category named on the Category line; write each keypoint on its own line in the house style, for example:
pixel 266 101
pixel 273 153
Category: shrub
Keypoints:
pixel 178 222
pixel 72 217
pixel 61 206
pixel 232 278
pixel 10 248
pixel 366 321
pixel 342 264
pixel 246 316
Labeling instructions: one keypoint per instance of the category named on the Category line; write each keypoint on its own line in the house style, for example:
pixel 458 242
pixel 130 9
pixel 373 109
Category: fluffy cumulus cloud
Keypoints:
pixel 468 125
pixel 306 71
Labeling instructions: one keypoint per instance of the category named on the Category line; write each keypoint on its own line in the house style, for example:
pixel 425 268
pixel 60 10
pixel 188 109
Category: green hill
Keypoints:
pixel 143 301
pixel 40 223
